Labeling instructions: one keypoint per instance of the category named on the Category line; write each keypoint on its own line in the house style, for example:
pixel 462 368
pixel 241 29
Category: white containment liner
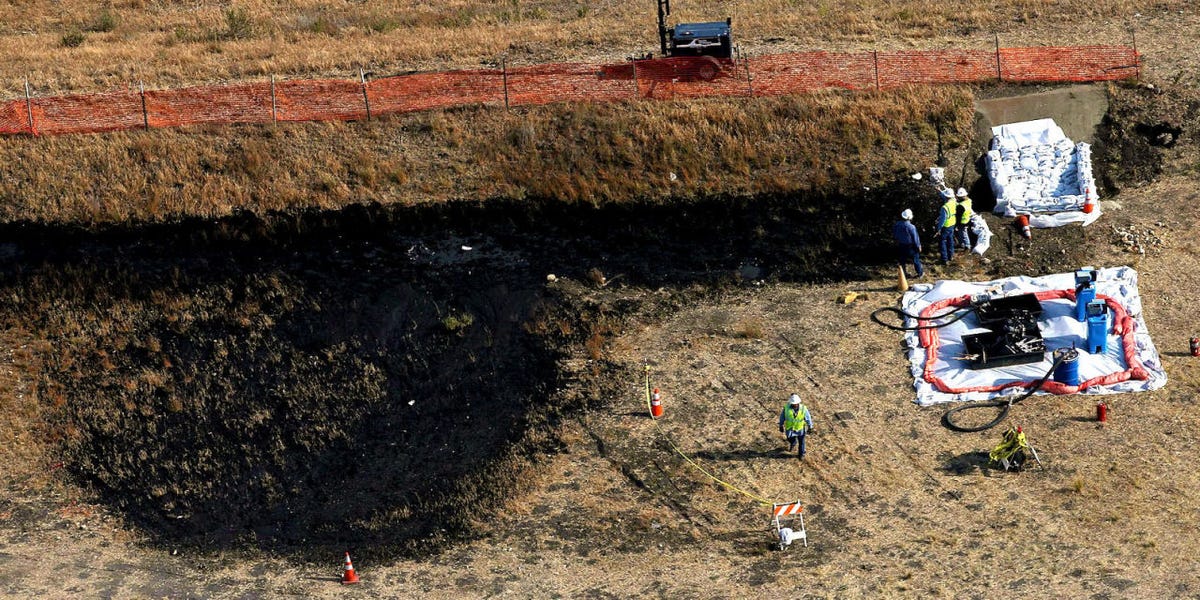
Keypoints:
pixel 1035 169
pixel 1130 364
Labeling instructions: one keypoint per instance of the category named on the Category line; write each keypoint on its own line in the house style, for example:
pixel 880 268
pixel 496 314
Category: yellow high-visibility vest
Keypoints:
pixel 793 420
pixel 965 202
pixel 951 209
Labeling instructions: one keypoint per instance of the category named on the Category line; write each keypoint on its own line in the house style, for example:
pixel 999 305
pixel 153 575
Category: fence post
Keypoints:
pixel 145 113
pixel 362 77
pixel 749 77
pixel 674 77
pixel 999 74
pixel 875 52
pixel 1137 62
pixel 274 110
pixel 29 108
pixel 637 88
pixel 504 75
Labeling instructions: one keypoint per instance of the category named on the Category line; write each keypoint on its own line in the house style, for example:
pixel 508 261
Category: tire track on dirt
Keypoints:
pixel 641 482
pixel 836 489
pixel 894 447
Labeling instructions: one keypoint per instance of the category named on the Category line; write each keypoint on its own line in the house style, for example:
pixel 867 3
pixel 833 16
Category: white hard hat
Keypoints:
pixel 962 192
pixel 906 215
pixel 946 193
pixel 795 399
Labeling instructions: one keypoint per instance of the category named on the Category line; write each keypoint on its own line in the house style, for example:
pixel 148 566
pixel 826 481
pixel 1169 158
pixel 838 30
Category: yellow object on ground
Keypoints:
pixel 1013 451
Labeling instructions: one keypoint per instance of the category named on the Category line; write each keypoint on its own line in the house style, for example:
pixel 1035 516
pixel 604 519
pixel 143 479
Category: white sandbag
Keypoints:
pixel 937 176
pixel 1058 219
pixel 1040 131
pixel 1034 168
pixel 983 234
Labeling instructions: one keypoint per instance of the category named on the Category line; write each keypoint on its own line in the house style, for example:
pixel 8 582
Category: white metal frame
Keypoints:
pixel 789 513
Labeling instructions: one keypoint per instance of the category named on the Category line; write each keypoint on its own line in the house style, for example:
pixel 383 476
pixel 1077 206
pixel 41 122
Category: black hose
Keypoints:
pixel 1004 405
pixel 958 314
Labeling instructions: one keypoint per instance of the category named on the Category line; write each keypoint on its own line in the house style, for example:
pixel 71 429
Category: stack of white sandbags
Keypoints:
pixel 1083 165
pixel 983 234
pixel 1035 169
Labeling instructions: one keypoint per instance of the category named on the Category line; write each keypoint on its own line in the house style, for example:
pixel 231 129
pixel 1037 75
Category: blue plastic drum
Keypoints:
pixel 1067 371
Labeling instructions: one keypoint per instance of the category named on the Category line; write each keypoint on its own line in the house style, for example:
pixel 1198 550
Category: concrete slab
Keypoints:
pixel 1077 109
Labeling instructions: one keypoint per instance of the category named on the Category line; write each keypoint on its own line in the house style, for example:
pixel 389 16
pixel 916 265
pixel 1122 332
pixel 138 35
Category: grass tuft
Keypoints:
pixel 238 23
pixel 456 322
pixel 752 329
pixel 322 25
pixel 105 21
pixel 73 39
pixel 595 345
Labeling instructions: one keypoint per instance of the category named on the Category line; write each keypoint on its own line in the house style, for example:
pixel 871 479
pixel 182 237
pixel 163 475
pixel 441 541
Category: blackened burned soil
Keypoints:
pixel 371 377
pixel 1140 125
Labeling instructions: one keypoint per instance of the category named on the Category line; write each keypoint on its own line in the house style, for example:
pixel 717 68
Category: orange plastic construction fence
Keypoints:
pixel 665 78
pixel 1077 63
pixel 87 113
pixel 239 103
pixel 425 91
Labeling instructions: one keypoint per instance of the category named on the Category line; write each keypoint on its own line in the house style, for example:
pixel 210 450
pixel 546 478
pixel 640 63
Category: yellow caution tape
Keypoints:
pixel 685 457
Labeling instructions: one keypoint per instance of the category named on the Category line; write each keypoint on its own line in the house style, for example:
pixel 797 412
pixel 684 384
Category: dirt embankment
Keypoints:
pixel 593 154
pixel 377 375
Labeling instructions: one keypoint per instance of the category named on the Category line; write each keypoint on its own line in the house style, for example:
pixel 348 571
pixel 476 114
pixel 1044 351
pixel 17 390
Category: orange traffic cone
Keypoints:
pixel 348 574
pixel 1023 225
pixel 656 409
pixel 902 285
pixel 1089 203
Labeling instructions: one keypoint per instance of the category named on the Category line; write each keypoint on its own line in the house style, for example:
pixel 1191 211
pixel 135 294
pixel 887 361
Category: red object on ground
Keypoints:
pixel 1023 225
pixel 1101 412
pixel 1195 342
pixel 656 409
pixel 348 574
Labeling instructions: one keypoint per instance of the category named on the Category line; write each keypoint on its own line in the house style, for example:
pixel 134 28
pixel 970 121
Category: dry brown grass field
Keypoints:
pixel 90 44
pixel 228 355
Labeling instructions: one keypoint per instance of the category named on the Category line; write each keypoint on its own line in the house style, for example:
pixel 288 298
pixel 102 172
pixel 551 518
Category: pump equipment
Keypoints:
pixel 1085 291
pixel 714 38
pixel 1013 336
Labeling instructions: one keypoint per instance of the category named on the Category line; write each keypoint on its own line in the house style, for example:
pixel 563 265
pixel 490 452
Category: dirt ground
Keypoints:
pixel 896 505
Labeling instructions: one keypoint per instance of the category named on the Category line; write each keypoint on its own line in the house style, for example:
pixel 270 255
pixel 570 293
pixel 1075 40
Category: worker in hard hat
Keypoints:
pixel 946 223
pixel 964 218
pixel 795 422
pixel 908 242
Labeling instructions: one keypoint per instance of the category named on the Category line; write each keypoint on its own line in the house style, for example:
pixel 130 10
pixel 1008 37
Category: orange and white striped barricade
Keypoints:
pixel 787 516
